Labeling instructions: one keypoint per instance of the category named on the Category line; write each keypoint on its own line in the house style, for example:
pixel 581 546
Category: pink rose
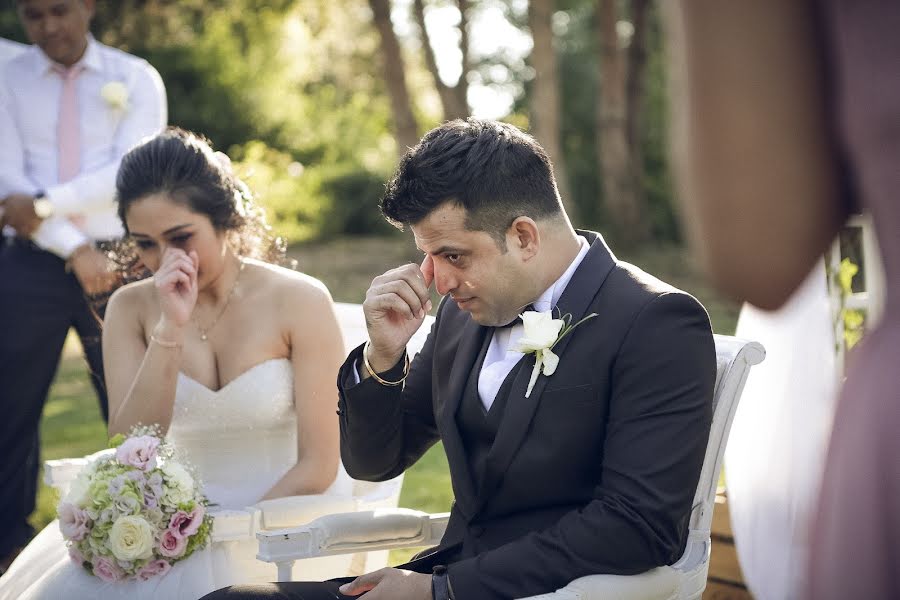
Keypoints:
pixel 154 568
pixel 138 452
pixel 185 524
pixel 171 544
pixel 107 570
pixel 74 523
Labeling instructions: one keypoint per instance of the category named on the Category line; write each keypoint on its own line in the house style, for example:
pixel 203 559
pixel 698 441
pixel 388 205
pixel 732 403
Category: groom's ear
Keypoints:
pixel 524 237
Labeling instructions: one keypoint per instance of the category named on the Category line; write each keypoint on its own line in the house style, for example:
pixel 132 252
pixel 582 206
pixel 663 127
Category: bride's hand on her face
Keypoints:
pixel 176 286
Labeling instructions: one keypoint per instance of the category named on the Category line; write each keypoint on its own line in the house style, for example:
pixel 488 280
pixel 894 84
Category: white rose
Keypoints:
pixel 78 490
pixel 174 496
pixel 178 477
pixel 131 538
pixel 541 330
pixel 116 94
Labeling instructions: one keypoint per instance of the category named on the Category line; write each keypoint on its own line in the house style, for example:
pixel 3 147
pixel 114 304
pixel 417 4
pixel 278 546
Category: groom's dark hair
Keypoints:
pixel 493 170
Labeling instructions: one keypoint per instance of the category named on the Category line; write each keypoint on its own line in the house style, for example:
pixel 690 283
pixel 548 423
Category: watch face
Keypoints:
pixel 43 208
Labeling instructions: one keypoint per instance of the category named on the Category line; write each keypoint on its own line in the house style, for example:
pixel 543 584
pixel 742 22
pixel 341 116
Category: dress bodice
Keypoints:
pixel 241 438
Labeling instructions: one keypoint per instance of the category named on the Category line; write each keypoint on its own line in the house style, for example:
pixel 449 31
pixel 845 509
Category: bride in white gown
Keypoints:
pixel 233 357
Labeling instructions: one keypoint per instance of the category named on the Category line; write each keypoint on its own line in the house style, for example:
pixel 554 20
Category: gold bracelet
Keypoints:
pixel 164 343
pixel 375 375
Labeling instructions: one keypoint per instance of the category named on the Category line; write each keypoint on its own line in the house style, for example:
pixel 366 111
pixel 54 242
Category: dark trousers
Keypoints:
pixel 288 590
pixel 39 302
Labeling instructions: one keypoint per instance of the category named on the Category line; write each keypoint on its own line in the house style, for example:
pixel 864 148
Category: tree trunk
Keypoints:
pixel 637 69
pixel 622 191
pixel 462 86
pixel 405 127
pixel 453 98
pixel 545 100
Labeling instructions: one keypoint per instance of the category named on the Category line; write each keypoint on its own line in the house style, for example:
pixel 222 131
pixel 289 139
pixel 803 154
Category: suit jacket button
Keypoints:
pixel 477 530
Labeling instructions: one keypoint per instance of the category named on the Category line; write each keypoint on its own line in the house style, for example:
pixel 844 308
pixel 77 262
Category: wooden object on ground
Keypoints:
pixel 725 580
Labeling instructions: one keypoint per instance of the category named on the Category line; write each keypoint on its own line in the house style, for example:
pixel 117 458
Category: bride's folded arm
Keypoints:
pixel 317 351
pixel 140 376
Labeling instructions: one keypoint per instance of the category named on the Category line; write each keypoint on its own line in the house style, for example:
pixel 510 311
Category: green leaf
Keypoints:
pixel 846 273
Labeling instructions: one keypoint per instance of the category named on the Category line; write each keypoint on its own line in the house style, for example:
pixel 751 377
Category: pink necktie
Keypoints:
pixel 68 132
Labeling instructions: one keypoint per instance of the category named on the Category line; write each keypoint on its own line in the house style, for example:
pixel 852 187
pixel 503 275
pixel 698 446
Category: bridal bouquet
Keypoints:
pixel 132 514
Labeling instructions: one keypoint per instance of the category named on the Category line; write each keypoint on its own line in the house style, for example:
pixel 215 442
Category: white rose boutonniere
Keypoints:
pixel 116 95
pixel 542 333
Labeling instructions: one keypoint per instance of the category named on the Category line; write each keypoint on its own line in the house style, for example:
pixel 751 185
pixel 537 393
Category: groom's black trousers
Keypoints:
pixel 290 590
pixel 39 302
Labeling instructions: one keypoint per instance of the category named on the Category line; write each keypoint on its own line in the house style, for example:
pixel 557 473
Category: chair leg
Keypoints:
pixel 285 569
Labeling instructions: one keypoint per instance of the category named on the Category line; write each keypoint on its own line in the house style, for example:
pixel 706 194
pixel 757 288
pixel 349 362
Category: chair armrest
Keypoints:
pixel 656 584
pixel 61 472
pixel 233 525
pixel 278 513
pixel 349 533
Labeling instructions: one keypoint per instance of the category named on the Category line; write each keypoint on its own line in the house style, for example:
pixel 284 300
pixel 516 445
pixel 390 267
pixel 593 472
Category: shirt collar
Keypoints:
pixel 551 295
pixel 90 61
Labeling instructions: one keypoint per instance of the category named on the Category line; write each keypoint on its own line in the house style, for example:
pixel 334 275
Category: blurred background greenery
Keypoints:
pixel 314 99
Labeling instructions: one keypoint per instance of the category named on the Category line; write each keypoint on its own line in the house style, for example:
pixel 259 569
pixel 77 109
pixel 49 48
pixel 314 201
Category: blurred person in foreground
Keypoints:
pixel 787 120
pixel 588 468
pixel 70 107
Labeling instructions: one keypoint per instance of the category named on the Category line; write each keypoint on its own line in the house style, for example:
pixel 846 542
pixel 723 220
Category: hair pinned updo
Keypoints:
pixel 183 165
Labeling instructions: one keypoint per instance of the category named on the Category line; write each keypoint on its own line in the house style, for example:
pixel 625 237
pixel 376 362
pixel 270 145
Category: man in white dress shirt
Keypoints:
pixel 70 107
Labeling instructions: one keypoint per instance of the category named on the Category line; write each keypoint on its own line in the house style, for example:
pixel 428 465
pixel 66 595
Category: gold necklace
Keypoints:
pixel 204 333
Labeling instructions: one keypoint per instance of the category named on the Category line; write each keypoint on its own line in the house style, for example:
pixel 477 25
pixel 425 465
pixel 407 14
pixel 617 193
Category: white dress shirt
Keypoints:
pixel 9 48
pixel 500 360
pixel 29 107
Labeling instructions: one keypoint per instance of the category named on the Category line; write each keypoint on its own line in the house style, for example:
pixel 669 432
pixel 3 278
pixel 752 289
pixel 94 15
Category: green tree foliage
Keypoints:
pixel 285 87
pixel 277 83
pixel 577 49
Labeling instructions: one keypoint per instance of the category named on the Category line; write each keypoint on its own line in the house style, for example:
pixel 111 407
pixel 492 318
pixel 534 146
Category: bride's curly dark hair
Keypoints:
pixel 183 165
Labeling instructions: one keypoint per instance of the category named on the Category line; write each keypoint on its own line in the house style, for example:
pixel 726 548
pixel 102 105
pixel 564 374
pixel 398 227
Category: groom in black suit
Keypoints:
pixel 591 471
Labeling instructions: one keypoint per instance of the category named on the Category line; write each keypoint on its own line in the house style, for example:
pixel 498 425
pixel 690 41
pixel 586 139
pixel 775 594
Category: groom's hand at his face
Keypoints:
pixel 395 306
pixel 390 584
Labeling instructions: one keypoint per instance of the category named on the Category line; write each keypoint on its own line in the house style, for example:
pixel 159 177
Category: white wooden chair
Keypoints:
pixel 244 524
pixel 382 529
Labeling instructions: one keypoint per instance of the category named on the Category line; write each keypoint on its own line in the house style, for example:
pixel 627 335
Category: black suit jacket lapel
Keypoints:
pixel 462 363
pixel 575 300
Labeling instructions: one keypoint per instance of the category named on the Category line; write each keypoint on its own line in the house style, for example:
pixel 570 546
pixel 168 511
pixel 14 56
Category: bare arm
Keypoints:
pixel 317 351
pixel 757 168
pixel 140 379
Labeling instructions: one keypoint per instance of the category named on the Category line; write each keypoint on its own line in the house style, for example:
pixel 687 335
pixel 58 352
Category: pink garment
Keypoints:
pixel 855 549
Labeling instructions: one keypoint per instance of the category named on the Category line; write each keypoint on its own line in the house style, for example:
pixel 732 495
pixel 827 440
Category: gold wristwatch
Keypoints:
pixel 43 208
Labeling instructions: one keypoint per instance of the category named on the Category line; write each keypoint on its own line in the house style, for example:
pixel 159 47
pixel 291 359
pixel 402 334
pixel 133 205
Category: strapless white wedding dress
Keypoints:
pixel 242 439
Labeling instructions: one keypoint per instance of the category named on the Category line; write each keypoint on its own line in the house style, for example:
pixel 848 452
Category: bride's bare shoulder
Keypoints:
pixel 133 298
pixel 287 287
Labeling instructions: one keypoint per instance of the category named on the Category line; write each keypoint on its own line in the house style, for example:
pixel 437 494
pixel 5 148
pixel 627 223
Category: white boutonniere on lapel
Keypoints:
pixel 115 93
pixel 542 333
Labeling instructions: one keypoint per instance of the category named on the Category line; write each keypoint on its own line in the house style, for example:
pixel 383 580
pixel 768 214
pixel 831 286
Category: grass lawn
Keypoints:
pixel 71 425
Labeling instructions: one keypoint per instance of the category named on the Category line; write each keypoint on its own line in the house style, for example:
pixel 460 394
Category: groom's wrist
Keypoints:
pixel 440 584
pixel 375 364
pixel 382 361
